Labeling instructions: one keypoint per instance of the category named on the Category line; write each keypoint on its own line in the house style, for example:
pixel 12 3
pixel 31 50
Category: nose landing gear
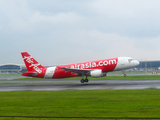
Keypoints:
pixel 124 75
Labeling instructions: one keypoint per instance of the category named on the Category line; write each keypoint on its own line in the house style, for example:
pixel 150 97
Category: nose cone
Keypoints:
pixel 136 63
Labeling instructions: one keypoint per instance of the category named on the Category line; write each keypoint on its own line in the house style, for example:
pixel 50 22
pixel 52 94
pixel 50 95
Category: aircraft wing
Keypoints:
pixel 78 71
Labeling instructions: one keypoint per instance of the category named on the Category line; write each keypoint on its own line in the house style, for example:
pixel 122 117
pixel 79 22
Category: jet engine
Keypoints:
pixel 96 73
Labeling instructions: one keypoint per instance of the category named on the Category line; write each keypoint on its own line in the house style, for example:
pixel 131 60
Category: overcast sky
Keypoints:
pixel 72 31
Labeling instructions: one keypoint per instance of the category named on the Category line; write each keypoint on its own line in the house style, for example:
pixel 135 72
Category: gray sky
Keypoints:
pixel 72 31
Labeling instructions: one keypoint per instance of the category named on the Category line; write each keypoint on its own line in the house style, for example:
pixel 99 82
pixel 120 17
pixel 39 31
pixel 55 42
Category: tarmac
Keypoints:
pixel 61 85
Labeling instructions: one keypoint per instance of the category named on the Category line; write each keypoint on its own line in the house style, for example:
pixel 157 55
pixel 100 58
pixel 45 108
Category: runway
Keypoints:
pixel 60 85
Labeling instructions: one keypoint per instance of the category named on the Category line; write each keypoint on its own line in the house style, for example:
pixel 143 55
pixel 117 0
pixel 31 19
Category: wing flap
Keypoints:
pixel 78 71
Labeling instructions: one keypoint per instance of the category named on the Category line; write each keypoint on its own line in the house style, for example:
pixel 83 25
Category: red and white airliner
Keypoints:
pixel 97 68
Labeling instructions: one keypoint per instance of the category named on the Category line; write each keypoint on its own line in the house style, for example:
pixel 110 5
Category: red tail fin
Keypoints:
pixel 31 63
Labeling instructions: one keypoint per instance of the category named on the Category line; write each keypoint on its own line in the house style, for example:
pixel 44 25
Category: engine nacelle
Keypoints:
pixel 96 73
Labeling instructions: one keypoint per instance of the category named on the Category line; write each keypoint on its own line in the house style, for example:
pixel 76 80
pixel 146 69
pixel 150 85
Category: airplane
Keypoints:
pixel 97 68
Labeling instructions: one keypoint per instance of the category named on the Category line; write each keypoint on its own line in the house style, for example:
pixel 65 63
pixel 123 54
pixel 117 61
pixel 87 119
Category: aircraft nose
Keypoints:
pixel 137 62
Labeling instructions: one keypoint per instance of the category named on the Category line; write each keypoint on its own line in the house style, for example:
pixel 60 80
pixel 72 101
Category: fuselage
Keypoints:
pixel 91 68
pixel 107 65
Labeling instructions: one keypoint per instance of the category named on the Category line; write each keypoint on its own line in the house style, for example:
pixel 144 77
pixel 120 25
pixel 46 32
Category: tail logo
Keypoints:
pixel 34 66
pixel 28 59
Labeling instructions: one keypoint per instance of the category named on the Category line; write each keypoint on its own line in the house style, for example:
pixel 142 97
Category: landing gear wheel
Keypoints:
pixel 82 81
pixel 124 75
pixel 86 80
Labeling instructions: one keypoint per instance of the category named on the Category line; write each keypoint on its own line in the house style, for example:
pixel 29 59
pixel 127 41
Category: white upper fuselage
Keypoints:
pixel 125 63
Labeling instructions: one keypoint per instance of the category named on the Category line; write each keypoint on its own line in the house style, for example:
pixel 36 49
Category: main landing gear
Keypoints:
pixel 84 80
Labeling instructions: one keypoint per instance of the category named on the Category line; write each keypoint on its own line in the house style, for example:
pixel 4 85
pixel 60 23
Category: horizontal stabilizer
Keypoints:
pixel 30 73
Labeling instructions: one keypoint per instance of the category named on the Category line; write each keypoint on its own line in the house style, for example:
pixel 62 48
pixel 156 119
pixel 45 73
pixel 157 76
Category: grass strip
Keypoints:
pixel 134 77
pixel 81 104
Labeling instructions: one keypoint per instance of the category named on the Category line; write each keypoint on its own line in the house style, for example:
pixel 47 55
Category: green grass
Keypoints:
pixel 133 72
pixel 110 77
pixel 10 74
pixel 102 103
pixel 133 77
